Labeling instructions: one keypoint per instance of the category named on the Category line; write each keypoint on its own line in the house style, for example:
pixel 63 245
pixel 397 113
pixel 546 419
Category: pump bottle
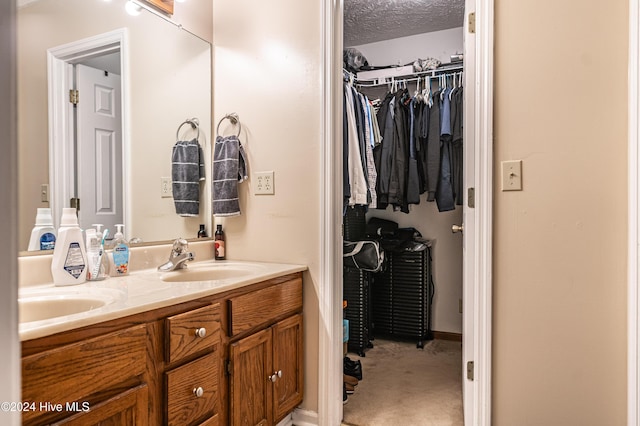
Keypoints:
pixel 120 252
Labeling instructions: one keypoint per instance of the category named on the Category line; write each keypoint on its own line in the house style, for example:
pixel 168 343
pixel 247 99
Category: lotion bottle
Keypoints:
pixel 120 252
pixel 43 235
pixel 69 263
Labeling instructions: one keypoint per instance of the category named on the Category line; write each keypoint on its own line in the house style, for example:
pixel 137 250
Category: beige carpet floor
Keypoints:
pixel 403 385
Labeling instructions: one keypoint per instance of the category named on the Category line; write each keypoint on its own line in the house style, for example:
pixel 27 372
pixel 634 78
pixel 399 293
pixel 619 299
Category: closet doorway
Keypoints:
pixel 474 370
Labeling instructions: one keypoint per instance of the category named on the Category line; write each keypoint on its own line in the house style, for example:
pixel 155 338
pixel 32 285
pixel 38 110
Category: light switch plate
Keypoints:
pixel 512 175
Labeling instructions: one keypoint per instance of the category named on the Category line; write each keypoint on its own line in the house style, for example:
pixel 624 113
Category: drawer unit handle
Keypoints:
pixel 201 332
pixel 198 392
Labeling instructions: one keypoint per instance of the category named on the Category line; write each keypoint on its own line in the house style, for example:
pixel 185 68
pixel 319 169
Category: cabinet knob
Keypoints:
pixel 275 376
pixel 198 392
pixel 201 332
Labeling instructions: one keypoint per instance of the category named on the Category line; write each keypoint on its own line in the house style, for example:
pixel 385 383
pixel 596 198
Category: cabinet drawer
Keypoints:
pixel 127 408
pixel 182 332
pixel 183 405
pixel 260 307
pixel 62 375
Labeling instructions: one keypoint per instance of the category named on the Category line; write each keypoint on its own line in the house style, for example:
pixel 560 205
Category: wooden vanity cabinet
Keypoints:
pixel 222 359
pixel 266 371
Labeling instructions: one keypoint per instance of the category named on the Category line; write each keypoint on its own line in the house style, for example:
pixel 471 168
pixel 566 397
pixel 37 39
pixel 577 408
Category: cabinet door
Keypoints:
pixel 287 359
pixel 127 408
pixel 251 386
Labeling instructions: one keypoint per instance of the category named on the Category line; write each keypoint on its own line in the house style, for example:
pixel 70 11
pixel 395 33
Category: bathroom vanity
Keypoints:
pixel 218 343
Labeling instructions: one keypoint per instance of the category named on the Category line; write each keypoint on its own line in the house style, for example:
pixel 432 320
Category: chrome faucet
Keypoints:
pixel 178 257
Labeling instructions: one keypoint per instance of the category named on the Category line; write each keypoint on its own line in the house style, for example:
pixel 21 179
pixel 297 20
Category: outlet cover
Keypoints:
pixel 166 191
pixel 263 183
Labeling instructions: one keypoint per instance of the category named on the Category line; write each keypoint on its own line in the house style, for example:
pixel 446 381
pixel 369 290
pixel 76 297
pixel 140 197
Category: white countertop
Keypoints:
pixel 143 291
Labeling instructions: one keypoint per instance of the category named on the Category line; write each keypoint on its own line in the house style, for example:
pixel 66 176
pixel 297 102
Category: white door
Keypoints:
pixel 468 222
pixel 477 211
pixel 99 148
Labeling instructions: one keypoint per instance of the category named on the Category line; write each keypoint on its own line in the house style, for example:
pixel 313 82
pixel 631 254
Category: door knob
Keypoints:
pixel 457 228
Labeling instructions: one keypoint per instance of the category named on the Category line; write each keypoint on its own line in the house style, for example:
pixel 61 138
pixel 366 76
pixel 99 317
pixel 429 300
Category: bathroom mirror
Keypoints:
pixel 165 79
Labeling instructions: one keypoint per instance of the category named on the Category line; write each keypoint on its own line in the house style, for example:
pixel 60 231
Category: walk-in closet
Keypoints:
pixel 403 144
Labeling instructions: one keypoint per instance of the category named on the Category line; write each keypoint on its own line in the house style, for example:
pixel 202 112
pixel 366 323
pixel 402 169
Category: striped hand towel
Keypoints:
pixel 187 170
pixel 229 168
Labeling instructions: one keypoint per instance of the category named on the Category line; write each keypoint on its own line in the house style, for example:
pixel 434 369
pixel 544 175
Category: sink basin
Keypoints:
pixel 54 303
pixel 211 272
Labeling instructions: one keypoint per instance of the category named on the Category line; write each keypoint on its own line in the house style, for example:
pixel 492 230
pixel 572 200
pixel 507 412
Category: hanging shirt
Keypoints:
pixel 357 180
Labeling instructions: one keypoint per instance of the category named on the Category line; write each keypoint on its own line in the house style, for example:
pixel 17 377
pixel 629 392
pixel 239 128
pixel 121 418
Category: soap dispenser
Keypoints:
pixel 120 252
pixel 69 263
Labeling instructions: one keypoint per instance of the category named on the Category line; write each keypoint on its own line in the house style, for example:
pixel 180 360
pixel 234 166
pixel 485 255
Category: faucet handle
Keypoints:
pixel 180 245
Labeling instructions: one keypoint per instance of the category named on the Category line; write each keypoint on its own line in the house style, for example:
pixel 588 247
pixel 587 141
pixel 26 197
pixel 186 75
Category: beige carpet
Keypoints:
pixel 403 385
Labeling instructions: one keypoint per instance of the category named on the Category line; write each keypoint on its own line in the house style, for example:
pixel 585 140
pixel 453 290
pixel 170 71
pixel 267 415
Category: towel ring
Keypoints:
pixel 195 124
pixel 234 119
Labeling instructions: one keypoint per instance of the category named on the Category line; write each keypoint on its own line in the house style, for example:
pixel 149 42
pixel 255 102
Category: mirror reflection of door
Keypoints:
pixel 98 147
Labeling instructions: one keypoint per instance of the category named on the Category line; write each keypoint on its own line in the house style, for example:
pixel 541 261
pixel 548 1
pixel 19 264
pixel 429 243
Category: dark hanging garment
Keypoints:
pixel 413 179
pixel 421 147
pixel 444 193
pixel 360 125
pixel 457 155
pixel 399 166
pixel 433 148
pixel 384 151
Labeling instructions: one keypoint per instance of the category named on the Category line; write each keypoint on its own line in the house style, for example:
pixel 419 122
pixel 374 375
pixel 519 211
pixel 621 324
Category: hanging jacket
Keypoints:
pixel 382 153
pixel 444 193
pixel 413 178
pixel 433 148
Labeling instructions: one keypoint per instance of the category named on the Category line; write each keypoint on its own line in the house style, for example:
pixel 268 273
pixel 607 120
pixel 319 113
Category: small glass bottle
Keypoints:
pixel 219 241
pixel 202 233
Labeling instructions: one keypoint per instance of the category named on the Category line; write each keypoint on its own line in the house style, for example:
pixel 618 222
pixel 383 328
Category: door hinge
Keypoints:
pixel 227 367
pixel 470 370
pixel 75 203
pixel 472 22
pixel 471 197
pixel 74 96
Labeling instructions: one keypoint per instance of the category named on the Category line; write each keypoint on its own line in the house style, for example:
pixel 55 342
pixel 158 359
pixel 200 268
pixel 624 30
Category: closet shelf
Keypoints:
pixel 387 75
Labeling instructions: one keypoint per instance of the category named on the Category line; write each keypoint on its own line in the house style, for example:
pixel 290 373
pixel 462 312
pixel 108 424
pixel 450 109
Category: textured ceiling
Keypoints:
pixel 368 21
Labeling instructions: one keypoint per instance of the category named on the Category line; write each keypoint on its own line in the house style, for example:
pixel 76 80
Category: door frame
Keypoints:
pixel 633 240
pixel 61 127
pixel 478 400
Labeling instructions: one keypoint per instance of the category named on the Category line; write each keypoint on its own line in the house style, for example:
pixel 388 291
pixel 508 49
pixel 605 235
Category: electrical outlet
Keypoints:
pixel 166 191
pixel 263 183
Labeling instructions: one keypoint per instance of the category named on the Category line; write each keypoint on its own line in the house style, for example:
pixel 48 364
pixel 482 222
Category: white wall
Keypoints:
pixel 401 51
pixel 560 244
pixel 10 345
pixel 267 69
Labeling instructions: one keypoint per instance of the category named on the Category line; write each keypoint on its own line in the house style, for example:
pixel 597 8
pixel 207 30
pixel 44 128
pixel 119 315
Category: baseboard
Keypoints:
pixel 305 417
pixel 287 421
pixel 445 335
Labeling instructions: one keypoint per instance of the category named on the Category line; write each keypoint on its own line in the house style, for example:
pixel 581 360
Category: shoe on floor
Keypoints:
pixel 354 372
pixel 350 380
pixel 349 388
pixel 344 393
